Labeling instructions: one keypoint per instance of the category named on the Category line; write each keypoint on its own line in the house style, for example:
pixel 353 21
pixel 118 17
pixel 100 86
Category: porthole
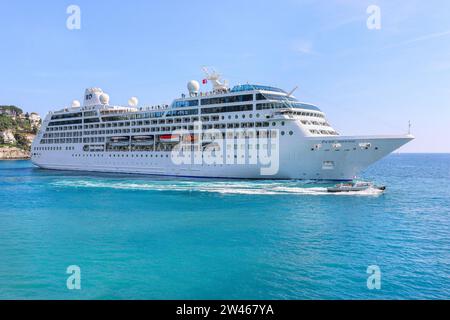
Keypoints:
pixel 282 133
pixel 291 133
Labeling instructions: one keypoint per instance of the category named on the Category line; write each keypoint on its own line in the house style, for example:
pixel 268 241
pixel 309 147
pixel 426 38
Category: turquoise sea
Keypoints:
pixel 137 237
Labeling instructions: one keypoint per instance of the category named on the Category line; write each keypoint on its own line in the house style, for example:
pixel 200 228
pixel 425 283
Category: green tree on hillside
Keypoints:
pixel 6 122
pixel 22 141
pixel 12 109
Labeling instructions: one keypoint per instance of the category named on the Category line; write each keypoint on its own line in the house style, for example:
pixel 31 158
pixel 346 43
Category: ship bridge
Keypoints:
pixel 251 87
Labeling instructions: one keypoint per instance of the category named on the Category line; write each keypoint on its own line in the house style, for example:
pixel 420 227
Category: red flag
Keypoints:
pixel 204 81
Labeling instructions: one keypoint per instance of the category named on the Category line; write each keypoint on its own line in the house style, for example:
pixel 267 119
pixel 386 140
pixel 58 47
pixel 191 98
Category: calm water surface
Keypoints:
pixel 152 238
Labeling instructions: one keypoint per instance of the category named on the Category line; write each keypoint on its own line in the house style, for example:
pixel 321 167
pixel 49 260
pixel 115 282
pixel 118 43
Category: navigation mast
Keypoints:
pixel 215 78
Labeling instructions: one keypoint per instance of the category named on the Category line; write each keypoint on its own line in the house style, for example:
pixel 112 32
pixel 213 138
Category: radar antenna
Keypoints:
pixel 213 76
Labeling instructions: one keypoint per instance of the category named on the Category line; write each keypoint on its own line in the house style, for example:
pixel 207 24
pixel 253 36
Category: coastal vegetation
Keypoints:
pixel 17 131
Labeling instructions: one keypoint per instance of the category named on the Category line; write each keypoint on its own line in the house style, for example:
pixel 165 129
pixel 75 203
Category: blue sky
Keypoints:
pixel 367 81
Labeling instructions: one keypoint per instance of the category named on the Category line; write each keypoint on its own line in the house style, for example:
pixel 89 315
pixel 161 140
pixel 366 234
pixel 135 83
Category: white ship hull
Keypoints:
pixel 297 161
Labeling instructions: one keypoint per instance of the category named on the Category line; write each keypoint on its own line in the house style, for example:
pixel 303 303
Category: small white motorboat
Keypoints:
pixel 354 187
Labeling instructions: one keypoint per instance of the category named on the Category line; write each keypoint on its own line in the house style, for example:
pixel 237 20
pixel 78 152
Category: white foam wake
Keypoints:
pixel 221 187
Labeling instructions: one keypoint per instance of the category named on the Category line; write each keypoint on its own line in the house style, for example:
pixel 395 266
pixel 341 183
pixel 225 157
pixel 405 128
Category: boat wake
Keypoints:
pixel 220 187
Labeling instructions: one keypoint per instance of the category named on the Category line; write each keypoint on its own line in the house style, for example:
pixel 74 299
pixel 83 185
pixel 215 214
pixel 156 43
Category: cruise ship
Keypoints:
pixel 247 131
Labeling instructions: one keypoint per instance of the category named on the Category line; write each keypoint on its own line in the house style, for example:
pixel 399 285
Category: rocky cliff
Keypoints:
pixel 17 131
pixel 13 153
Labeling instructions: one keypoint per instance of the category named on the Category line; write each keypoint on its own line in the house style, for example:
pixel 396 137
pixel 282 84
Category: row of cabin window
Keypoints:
pixel 266 106
pixel 67 148
pixel 57 141
pixel 315 123
pixel 227 99
pixel 66 116
pixel 152 122
pixel 59 148
pixel 63 134
pixel 125 155
pixel 66 122
pixel 64 128
pixel 325 132
pixel 190 127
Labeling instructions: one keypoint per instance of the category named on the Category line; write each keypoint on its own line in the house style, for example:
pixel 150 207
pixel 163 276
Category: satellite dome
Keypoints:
pixel 75 104
pixel 104 98
pixel 133 102
pixel 193 87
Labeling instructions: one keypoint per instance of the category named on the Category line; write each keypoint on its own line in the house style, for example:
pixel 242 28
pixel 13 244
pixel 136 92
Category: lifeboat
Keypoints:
pixel 120 144
pixel 190 138
pixel 97 148
pixel 119 141
pixel 212 146
pixel 169 138
pixel 142 140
